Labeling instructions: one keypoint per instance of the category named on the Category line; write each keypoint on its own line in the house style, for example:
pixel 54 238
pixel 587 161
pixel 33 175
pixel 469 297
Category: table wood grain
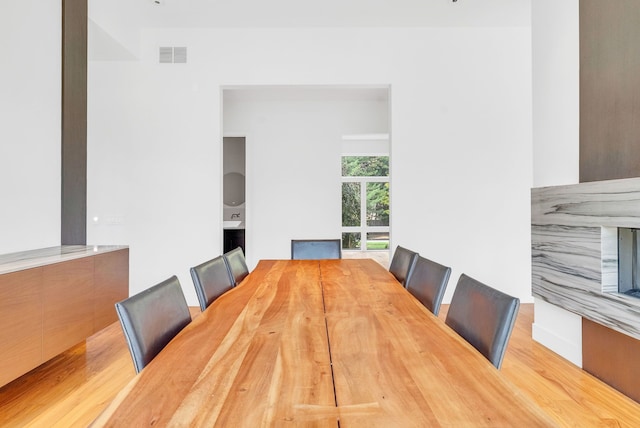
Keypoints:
pixel 319 343
pixel 396 364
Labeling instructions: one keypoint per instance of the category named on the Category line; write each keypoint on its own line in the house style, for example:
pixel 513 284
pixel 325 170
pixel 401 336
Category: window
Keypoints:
pixel 365 203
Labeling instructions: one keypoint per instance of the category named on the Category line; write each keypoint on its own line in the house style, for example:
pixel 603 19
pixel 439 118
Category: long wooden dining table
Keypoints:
pixel 322 344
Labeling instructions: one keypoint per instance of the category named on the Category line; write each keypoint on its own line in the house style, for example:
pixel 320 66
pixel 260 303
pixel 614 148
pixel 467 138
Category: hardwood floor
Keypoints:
pixel 571 396
pixel 73 388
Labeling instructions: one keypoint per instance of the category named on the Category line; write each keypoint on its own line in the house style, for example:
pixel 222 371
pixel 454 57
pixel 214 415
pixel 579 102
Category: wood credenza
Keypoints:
pixel 54 298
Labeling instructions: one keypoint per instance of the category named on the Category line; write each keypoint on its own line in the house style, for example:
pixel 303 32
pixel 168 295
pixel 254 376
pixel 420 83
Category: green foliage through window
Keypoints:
pixel 350 204
pixel 377 204
pixel 351 241
pixel 365 166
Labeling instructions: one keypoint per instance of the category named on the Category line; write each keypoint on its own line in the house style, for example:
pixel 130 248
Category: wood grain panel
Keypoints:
pixel 111 282
pixel 609 89
pixel 287 361
pixel 68 304
pixel 21 321
pixel 257 356
pixel 611 357
pixel 396 364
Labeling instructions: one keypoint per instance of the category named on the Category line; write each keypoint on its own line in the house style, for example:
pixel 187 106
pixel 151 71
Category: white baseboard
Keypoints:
pixel 558 330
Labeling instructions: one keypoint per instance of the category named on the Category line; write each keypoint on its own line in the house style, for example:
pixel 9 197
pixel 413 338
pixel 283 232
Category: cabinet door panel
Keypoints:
pixel 111 284
pixel 68 304
pixel 21 321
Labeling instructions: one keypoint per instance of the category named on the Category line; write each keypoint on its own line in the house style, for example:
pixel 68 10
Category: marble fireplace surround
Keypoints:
pixel 574 260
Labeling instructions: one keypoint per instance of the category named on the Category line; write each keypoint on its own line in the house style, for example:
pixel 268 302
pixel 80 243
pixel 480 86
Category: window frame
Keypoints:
pixel 365 229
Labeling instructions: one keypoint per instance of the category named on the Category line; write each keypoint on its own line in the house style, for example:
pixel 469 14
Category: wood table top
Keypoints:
pixel 319 343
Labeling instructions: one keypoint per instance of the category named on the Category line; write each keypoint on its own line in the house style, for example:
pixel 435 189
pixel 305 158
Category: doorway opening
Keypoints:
pixel 233 192
pixel 296 137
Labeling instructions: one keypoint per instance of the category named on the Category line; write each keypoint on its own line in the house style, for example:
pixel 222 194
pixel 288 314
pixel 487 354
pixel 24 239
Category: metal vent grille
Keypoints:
pixel 166 55
pixel 170 54
pixel 180 55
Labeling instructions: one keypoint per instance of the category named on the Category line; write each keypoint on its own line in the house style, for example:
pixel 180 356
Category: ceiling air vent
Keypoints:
pixel 169 55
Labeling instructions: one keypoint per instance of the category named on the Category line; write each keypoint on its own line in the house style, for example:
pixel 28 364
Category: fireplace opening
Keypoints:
pixel 628 259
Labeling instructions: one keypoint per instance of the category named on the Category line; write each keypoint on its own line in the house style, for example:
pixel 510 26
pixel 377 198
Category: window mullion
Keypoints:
pixel 363 215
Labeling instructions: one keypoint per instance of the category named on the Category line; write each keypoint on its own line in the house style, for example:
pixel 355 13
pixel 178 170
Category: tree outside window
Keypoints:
pixel 365 202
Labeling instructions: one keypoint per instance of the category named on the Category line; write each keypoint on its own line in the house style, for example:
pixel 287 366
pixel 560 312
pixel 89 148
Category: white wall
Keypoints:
pixel 556 140
pixel 461 157
pixel 460 143
pixel 556 92
pixel 30 34
pixel 123 38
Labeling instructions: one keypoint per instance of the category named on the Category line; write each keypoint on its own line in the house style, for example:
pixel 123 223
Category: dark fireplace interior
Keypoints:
pixel 628 259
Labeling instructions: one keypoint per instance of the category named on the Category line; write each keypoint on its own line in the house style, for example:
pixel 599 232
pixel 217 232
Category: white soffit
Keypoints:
pixel 302 92
pixel 306 13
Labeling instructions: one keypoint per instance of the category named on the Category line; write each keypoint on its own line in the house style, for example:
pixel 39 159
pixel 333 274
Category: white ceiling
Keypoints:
pixel 307 13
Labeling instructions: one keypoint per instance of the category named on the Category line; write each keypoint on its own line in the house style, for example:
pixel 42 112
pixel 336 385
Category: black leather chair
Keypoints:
pixel 151 318
pixel 401 264
pixel 483 316
pixel 211 279
pixel 427 282
pixel 316 249
pixel 237 265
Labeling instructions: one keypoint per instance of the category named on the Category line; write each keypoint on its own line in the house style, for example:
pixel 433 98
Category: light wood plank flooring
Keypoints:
pixel 73 388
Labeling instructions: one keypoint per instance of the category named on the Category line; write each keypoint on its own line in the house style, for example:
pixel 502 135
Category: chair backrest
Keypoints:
pixel 151 318
pixel 237 265
pixel 427 283
pixel 401 264
pixel 316 249
pixel 211 279
pixel 483 316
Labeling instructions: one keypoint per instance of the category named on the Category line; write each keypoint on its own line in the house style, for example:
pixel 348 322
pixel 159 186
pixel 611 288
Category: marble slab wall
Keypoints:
pixel 574 249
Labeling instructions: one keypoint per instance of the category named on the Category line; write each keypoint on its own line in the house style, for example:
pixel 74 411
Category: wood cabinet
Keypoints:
pixel 45 309
pixel 21 320
pixel 67 310
pixel 111 284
